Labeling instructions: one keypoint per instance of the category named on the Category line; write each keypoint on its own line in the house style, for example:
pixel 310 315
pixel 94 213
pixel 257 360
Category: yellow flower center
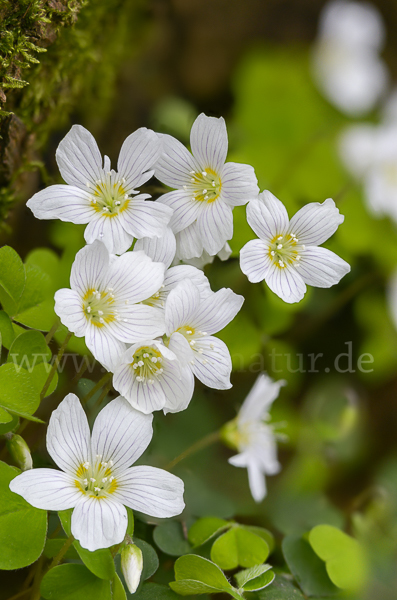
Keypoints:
pixel 205 186
pixel 96 479
pixel 146 364
pixel 284 250
pixel 98 307
pixel 109 198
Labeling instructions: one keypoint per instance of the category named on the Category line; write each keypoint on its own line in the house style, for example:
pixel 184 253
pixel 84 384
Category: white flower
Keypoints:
pixel 346 59
pixel 369 152
pixel 254 439
pixel 392 297
pixel 161 249
pixel 206 259
pixel 150 377
pixel 207 189
pixel 101 197
pixel 102 304
pixel 132 566
pixel 191 321
pixel 95 478
pixel 287 255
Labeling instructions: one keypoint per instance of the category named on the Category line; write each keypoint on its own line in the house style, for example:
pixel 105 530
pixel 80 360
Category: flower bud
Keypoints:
pixel 131 566
pixel 230 434
pixel 19 451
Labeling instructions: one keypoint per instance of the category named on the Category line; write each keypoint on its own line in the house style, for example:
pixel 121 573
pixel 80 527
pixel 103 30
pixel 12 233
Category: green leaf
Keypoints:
pixel 54 545
pixel 169 538
pixel 6 330
pixel 344 558
pixel 65 516
pixel 197 575
pixel 263 533
pixel 260 582
pixel 29 349
pixel 74 582
pixel 12 278
pixel 40 375
pixel 5 416
pixel 238 546
pixel 248 575
pixel 36 306
pixel 18 393
pixel 281 589
pixel 118 591
pixel 23 528
pixel 155 591
pixel 131 521
pixel 204 529
pixel 10 425
pixel 150 558
pixel 307 568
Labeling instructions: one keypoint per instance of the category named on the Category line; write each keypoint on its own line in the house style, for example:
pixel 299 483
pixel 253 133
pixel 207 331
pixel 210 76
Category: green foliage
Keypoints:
pixel 150 558
pixel 204 529
pixel 30 349
pixel 23 528
pixel 344 558
pixel 74 582
pixel 197 575
pixel 239 547
pixel 170 539
pixel 155 591
pixel 18 392
pixel 255 578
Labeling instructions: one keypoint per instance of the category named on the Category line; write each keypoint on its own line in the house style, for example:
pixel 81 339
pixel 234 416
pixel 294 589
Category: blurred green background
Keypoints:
pixel 117 65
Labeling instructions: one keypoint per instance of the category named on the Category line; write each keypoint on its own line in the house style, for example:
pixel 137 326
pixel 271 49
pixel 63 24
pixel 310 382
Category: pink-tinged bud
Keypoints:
pixel 131 566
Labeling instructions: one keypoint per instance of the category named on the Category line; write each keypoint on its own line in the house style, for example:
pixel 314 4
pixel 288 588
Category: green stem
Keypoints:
pixel 20 594
pixel 96 387
pixel 55 365
pixel 52 331
pixel 57 559
pixel 209 439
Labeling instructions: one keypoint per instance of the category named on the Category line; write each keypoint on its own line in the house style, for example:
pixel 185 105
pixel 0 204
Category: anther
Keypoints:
pixel 279 246
pixel 204 173
pixel 86 465
pixel 92 479
pixel 96 489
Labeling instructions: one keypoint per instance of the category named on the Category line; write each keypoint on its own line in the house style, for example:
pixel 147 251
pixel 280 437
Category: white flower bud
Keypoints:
pixel 131 566
pixel 19 450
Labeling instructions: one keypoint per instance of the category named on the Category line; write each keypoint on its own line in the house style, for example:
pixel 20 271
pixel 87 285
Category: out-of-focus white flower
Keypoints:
pixel 253 437
pixel 131 566
pixel 191 321
pixel 369 152
pixel 207 189
pixel 103 302
pixel 392 297
pixel 346 61
pixel 96 479
pixel 102 197
pixel 150 376
pixel 287 255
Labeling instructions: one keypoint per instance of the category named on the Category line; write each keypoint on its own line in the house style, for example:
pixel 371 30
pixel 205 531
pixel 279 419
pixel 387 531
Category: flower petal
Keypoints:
pixel 213 365
pixel 217 310
pixel 178 386
pixel 260 398
pixel 64 202
pixel 160 249
pixel 47 489
pixel 78 158
pixel 134 277
pixel 145 218
pixel 99 523
pixel 257 481
pixel 315 222
pixel 286 283
pixel 185 209
pixel 175 163
pixel 89 268
pixel 121 434
pixel 179 345
pixel 142 396
pixel 239 184
pixel 267 216
pixel 111 231
pixel 181 306
pixel 208 141
pixel 188 243
pixel 181 273
pixel 104 345
pixel 255 261
pixel 68 435
pixel 215 226
pixel 138 322
pixel 321 267
pixel 152 491
pixel 69 308
pixel 137 158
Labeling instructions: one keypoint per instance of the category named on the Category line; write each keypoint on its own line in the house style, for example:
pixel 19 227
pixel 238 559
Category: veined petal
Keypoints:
pixel 260 398
pixel 78 158
pixel 178 387
pixel 68 435
pixel 208 141
pixel 152 491
pixel 255 261
pixel 160 249
pixel 104 345
pixel 267 216
pixel 121 434
pixel 138 322
pixel 137 158
pixel 143 396
pixel 89 268
pixel 225 252
pixel 315 222
pixel 64 202
pixel 185 208
pixel 286 283
pixel 47 489
pixel 215 226
pixel 111 231
pixel 99 523
pixel 321 267
pixel 217 310
pixel 212 363
pixel 175 163
pixel 188 243
pixel 239 184
pixel 145 218
pixel 69 308
pixel 134 277
pixel 179 345
pixel 181 306
pixel 181 273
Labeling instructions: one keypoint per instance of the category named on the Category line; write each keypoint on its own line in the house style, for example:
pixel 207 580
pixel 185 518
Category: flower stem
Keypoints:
pixel 96 387
pixel 209 439
pixel 55 365
pixel 57 559
pixel 52 331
